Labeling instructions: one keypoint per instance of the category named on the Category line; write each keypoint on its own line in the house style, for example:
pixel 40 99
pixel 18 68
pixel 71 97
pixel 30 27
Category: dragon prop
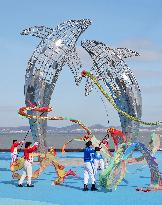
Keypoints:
pixel 113 175
pixel 45 160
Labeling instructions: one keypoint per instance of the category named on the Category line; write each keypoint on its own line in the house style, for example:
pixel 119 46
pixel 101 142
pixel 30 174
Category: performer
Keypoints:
pixel 13 150
pixel 89 169
pixel 98 160
pixel 117 136
pixel 28 156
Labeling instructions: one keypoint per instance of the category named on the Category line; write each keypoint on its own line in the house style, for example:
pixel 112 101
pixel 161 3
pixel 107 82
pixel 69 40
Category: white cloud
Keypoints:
pixel 137 44
pixel 141 73
pixel 150 55
pixel 148 50
pixel 151 89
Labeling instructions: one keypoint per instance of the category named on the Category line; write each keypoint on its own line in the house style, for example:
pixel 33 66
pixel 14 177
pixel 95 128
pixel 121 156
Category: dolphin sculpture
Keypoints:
pixel 56 49
pixel 122 85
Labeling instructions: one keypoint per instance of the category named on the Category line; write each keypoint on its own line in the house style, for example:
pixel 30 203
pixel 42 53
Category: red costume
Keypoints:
pixel 14 151
pixel 14 147
pixel 28 153
pixel 28 156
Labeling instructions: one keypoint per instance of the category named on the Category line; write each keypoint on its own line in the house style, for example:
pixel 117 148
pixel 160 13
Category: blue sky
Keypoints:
pixel 134 24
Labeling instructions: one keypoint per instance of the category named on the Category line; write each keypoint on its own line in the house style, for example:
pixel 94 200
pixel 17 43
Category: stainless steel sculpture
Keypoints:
pixel 122 85
pixel 57 48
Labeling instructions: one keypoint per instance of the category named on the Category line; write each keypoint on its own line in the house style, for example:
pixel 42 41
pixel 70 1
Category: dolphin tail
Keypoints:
pixel 37 31
pixel 88 86
pixel 74 62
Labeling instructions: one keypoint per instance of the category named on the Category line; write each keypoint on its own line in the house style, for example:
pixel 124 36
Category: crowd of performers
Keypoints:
pixel 93 159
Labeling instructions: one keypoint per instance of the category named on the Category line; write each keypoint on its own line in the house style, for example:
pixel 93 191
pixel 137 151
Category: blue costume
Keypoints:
pixel 97 156
pixel 88 154
pixel 89 169
pixel 98 161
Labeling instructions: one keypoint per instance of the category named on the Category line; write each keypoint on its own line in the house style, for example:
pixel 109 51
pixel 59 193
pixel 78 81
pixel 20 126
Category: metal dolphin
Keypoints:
pixel 56 49
pixel 109 66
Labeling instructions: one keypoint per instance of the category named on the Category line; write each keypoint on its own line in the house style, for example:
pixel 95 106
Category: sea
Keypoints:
pixel 58 139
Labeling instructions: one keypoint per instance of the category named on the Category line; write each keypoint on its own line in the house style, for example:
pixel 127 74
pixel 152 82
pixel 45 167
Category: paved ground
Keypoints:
pixel 70 193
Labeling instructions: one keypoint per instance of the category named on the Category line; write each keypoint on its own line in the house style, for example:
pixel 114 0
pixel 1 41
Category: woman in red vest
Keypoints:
pixel 28 156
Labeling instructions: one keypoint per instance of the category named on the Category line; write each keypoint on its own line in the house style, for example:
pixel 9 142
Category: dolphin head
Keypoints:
pixel 70 28
pixel 59 46
pixel 88 43
pixel 69 31
pixel 90 46
pixel 84 23
pixel 66 36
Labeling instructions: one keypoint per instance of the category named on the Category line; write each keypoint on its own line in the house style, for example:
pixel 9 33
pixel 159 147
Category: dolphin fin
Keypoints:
pixel 38 31
pixel 88 86
pixel 74 62
pixel 125 52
